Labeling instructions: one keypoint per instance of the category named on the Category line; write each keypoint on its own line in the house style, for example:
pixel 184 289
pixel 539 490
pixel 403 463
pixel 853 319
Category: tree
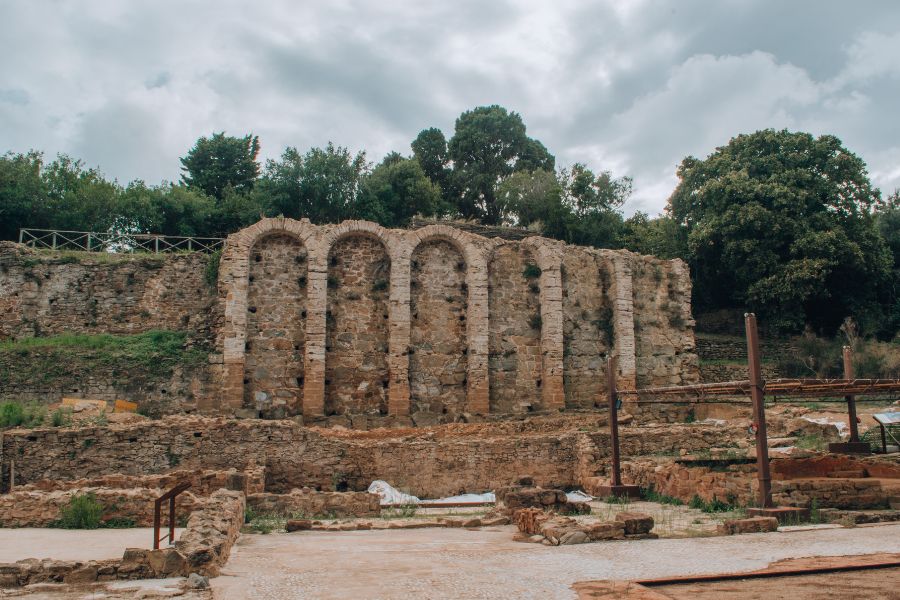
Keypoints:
pixel 168 209
pixel 782 223
pixel 220 162
pixel 488 145
pixel 400 190
pixel 23 197
pixel 660 236
pixel 888 220
pixel 322 185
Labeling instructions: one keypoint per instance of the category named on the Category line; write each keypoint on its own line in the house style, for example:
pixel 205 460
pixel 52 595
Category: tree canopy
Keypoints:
pixel 220 162
pixel 782 222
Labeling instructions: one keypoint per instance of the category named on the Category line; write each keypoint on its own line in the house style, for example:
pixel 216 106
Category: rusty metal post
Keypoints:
pixel 613 420
pixel 851 399
pixel 171 520
pixel 759 412
pixel 157 521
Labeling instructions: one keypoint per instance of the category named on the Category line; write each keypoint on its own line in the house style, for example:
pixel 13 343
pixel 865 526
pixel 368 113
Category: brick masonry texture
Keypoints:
pixel 439 322
pixel 359 325
pixel 428 462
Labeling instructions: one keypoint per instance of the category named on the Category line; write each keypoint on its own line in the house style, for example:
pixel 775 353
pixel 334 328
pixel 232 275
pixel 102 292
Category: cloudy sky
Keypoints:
pixel 627 86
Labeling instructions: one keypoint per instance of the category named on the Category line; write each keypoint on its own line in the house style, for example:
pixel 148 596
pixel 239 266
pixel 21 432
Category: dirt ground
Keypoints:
pixel 72 544
pixel 458 563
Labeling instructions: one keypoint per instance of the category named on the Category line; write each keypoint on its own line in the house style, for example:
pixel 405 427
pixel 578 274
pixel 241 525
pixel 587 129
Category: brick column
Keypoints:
pixel 477 327
pixel 233 269
pixel 622 294
pixel 314 359
pixel 398 334
pixel 552 389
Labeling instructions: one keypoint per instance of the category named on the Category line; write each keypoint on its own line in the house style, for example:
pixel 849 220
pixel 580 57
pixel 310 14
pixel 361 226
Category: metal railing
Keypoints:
pixel 89 241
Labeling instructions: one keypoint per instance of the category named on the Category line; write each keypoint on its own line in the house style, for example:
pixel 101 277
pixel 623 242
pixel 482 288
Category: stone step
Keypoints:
pixel 858 474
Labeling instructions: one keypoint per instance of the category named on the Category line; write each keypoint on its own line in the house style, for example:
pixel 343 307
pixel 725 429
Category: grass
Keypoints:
pixel 713 506
pixel 14 414
pixel 407 511
pixel 651 495
pixel 812 441
pixel 43 360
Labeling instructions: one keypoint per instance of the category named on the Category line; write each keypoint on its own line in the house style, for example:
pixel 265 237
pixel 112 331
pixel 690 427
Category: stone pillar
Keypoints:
pixel 553 393
pixel 233 270
pixel 398 334
pixel 477 328
pixel 316 306
pixel 622 294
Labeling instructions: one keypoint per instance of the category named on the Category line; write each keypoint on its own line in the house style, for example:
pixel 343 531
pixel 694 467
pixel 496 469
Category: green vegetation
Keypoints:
pixel 153 354
pixel 82 512
pixel 713 506
pixel 812 441
pixel 211 273
pixel 14 414
pixel 651 495
pixel 531 271
pixel 61 417
pixel 406 511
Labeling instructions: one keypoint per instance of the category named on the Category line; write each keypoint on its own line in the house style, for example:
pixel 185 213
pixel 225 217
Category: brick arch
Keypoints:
pixel 234 271
pixel 475 251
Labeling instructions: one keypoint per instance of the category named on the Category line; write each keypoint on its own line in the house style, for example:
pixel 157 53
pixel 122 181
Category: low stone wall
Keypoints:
pixel 853 494
pixel 308 503
pixel 428 462
pixel 24 508
pixel 203 483
pixel 203 548
pixel 729 483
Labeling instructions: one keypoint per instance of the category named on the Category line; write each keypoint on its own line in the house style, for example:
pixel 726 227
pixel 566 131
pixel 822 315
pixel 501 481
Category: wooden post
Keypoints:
pixel 613 420
pixel 759 412
pixel 851 399
pixel 157 522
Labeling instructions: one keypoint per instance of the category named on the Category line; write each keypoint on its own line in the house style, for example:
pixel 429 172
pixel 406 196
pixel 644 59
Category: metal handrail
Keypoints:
pixel 157 514
pixel 91 241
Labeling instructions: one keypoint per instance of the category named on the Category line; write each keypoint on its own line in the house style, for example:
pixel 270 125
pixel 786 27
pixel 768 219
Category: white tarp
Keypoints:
pixel 578 496
pixel 391 495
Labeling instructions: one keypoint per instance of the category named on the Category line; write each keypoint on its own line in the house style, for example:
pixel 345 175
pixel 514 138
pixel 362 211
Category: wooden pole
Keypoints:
pixel 851 399
pixel 157 521
pixel 759 412
pixel 613 420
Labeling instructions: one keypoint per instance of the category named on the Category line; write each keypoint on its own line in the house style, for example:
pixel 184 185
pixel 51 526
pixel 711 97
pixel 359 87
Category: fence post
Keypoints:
pixel 156 245
pixel 759 412
pixel 88 242
pixel 21 235
pixel 851 399
pixel 190 248
pixel 54 240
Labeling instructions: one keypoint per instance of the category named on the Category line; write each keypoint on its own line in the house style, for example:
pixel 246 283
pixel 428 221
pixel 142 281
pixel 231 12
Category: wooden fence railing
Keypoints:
pixel 89 241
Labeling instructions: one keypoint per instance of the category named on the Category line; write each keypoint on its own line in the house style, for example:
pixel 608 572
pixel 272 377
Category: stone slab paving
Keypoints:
pixel 454 563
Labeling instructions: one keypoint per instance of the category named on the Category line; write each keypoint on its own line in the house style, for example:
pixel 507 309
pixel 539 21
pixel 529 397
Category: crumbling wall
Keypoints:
pixel 587 327
pixel 356 370
pixel 514 362
pixel 438 359
pixel 276 326
pixel 428 462
pixel 47 293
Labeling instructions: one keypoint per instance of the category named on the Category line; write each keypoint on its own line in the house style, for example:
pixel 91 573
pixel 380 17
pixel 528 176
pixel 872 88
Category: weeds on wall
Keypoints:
pixel 14 414
pixel 211 272
pixel 43 360
pixel 532 271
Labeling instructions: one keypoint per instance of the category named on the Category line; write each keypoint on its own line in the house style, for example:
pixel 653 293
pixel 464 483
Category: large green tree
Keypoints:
pixel 489 144
pixel 782 222
pixel 399 188
pixel 322 185
pixel 219 162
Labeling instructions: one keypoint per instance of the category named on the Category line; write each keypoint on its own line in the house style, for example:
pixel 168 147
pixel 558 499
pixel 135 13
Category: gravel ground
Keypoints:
pixel 453 563
pixel 72 544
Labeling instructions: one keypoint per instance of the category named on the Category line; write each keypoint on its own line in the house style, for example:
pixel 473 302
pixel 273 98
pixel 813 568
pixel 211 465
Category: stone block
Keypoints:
pixel 635 523
pixel 784 514
pixel 298 525
pixel 750 525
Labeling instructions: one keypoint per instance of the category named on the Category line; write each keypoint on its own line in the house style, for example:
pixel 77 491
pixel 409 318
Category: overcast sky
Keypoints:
pixel 626 86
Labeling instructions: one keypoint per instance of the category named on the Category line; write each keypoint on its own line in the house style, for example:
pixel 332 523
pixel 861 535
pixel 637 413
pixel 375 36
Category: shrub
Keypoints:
pixel 82 512
pixel 61 417
pixel 14 414
pixel 211 273
pixel 531 271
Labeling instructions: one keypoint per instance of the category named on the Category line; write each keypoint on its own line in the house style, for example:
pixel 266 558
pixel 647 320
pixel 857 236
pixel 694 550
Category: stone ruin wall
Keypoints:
pixel 428 462
pixel 364 326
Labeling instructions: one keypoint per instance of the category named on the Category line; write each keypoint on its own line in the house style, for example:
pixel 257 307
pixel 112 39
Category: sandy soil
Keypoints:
pixel 71 544
pixel 453 563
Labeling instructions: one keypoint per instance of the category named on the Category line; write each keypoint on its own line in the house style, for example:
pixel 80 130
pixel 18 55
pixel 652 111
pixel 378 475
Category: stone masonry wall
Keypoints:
pixel 51 293
pixel 438 364
pixel 515 330
pixel 356 370
pixel 276 332
pixel 427 462
pixel 359 325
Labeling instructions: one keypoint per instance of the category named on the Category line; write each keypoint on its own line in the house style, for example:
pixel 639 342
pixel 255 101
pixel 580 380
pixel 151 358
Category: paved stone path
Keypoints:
pixel 454 563
pixel 72 544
